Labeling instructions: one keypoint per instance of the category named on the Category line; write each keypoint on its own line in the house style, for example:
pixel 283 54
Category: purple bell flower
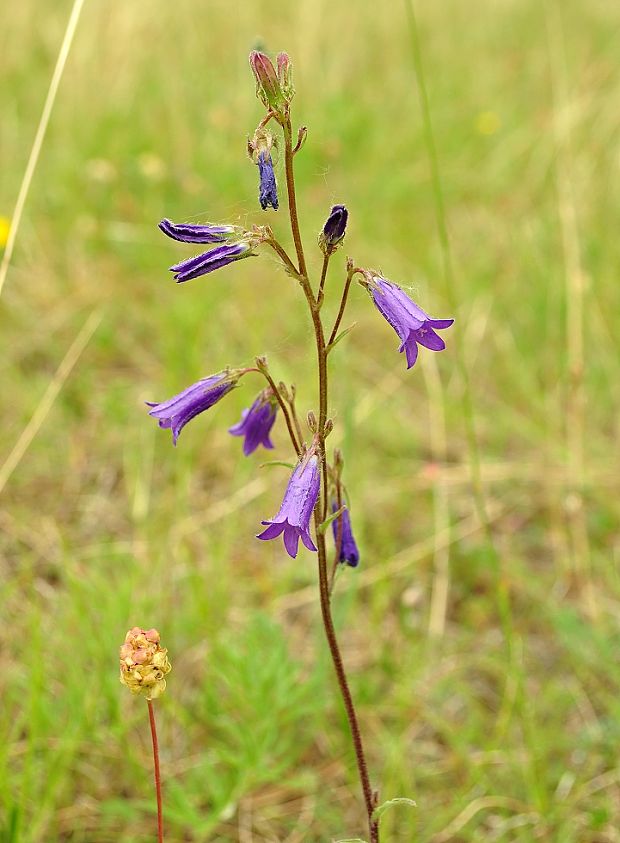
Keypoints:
pixel 348 548
pixel 268 191
pixel 410 322
pixel 210 261
pixel 180 409
pixel 191 233
pixel 256 423
pixel 299 501
pixel 334 229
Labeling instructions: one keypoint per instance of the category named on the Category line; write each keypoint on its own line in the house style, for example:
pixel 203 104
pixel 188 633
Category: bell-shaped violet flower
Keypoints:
pixel 299 500
pixel 210 261
pixel 410 322
pixel 194 233
pixel 334 229
pixel 348 548
pixel 256 423
pixel 267 191
pixel 180 409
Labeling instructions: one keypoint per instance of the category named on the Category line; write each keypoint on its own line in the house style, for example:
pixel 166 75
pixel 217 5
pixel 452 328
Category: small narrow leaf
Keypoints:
pixel 340 336
pixel 399 800
pixel 325 524
pixel 278 462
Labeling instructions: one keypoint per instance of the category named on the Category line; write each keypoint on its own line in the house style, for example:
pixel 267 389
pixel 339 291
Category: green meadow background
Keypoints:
pixel 500 717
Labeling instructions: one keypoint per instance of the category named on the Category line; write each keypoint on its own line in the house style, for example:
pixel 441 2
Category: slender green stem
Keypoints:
pixel 283 255
pixel 330 632
pixel 503 596
pixel 343 303
pixel 320 508
pixel 294 415
pixel 285 412
pixel 319 298
pixel 292 201
pixel 160 813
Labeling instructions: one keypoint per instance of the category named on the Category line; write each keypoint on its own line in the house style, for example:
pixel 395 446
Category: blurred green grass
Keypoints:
pixel 104 525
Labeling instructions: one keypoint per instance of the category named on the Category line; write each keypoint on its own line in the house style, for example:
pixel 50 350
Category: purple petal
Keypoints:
pixel 291 540
pixel 190 233
pixel 307 540
pixel 273 530
pixel 410 347
pixel 268 191
pixel 429 339
pixel 440 323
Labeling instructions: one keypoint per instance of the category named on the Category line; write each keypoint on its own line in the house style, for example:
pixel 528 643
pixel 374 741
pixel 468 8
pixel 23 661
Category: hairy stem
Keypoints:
pixel 343 304
pixel 321 506
pixel 330 632
pixel 282 254
pixel 292 201
pixel 320 296
pixel 160 813
pixel 285 412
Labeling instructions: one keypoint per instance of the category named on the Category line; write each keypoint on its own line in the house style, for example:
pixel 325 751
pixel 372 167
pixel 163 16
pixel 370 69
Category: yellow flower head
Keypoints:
pixel 144 664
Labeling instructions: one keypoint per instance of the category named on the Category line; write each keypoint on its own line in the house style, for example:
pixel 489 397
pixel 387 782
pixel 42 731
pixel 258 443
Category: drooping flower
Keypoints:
pixel 256 423
pixel 410 322
pixel 144 663
pixel 204 233
pixel 182 408
pixel 348 548
pixel 334 229
pixel 209 261
pixel 293 518
pixel 268 190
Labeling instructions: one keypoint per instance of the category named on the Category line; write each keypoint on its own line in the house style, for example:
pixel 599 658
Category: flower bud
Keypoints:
pixel 312 422
pixel 261 364
pixel 329 426
pixel 284 392
pixel 285 76
pixel 144 663
pixel 334 229
pixel 268 88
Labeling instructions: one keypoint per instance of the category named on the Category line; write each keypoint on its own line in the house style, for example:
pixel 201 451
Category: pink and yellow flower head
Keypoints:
pixel 144 663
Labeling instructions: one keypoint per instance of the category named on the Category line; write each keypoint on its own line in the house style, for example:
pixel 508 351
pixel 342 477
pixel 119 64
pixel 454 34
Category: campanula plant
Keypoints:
pixel 314 497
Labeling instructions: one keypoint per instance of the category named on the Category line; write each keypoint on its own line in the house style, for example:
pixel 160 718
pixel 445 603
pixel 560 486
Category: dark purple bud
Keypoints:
pixel 268 191
pixel 334 229
pixel 210 261
pixel 410 322
pixel 348 548
pixel 268 88
pixel 256 423
pixel 298 503
pixel 189 233
pixel 182 408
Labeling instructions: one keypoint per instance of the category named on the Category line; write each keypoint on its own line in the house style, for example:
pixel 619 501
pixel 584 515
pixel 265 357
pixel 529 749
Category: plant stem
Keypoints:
pixel 343 304
pixel 319 298
pixel 321 506
pixel 292 201
pixel 330 632
pixel 160 815
pixel 285 412
pixel 282 254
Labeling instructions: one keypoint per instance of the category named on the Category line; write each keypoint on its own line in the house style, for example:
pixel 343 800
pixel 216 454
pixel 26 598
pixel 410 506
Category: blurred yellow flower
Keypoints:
pixel 144 664
pixel 488 123
pixel 5 227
